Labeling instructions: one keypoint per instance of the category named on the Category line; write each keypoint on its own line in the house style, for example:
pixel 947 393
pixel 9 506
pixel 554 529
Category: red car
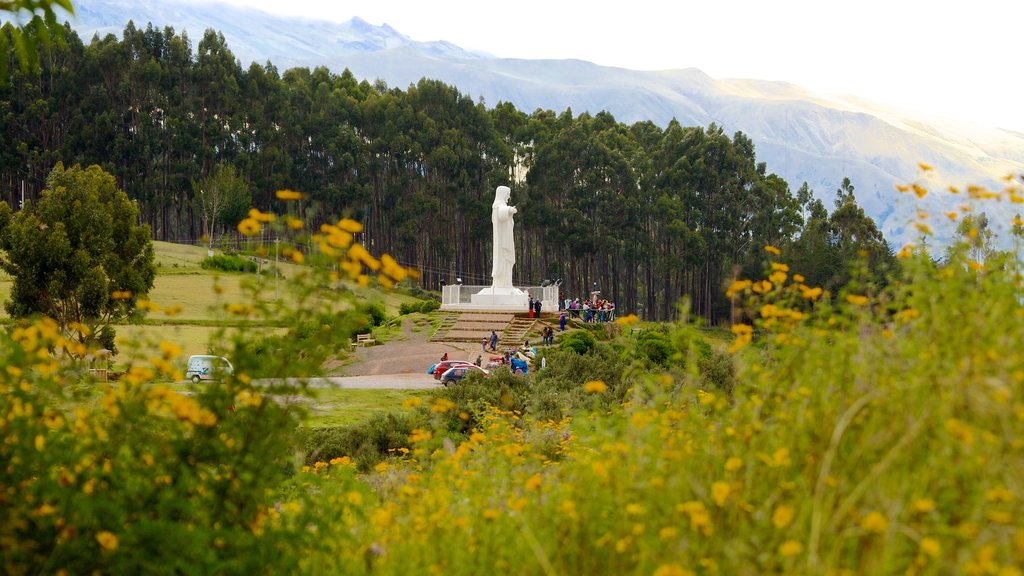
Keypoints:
pixel 458 372
pixel 442 367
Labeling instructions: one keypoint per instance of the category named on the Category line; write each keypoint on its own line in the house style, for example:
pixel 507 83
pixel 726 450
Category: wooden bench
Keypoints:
pixel 364 340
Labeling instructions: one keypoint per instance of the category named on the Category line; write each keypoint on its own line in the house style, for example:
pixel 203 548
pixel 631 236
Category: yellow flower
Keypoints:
pixel 931 547
pixel 733 464
pixel 856 299
pixel 350 226
pixel 107 540
pixel 923 505
pixel 258 216
pixel 999 494
pixel 288 195
pixel 297 257
pixel 737 287
pixel 249 227
pixel 595 387
pixel 720 492
pixel 533 482
pixel 295 223
pixel 772 249
pixel 875 522
pixel 628 320
pixel 672 570
pixel 791 548
pixel 782 516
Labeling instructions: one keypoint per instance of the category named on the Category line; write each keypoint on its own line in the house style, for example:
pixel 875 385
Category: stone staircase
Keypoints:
pixel 448 320
pixel 471 326
pixel 515 333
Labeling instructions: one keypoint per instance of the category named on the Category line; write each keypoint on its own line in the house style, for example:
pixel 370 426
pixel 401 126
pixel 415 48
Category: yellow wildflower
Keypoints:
pixel 720 492
pixel 782 516
pixel 350 226
pixel 791 548
pixel 857 299
pixel 595 387
pixel 733 464
pixel 772 249
pixel 287 195
pixel 875 522
pixel 249 227
pixel 107 540
pixel 930 547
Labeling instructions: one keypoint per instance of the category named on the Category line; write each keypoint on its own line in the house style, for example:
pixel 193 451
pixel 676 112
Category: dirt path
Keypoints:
pixel 408 354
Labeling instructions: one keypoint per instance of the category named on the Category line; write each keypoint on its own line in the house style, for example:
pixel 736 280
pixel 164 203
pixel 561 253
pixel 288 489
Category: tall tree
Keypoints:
pixel 220 199
pixel 77 256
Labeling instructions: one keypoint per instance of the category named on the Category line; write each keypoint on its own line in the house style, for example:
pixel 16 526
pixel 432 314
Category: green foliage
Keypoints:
pixel 221 199
pixel 424 306
pixel 77 256
pixel 135 478
pixel 681 206
pixel 655 346
pixel 581 342
pixel 366 444
pixel 41 32
pixel 228 263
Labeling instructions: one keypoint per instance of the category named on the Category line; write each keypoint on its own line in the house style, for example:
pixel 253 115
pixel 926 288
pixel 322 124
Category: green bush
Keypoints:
pixel 424 306
pixel 366 444
pixel 228 263
pixel 578 341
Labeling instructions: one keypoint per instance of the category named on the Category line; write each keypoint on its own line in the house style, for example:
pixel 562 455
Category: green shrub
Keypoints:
pixel 424 306
pixel 366 444
pixel 228 263
pixel 579 341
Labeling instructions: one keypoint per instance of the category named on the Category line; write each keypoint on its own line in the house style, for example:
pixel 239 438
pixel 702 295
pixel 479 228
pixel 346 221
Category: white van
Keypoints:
pixel 203 367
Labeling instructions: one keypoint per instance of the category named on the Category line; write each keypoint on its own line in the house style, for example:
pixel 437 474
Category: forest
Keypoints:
pixel 645 214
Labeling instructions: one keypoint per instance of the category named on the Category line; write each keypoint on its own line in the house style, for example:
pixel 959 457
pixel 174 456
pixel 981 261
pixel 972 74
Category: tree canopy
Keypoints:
pixel 647 214
pixel 77 256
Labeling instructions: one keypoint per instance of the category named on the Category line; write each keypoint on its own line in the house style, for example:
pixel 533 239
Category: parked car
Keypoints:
pixel 205 367
pixel 457 373
pixel 441 367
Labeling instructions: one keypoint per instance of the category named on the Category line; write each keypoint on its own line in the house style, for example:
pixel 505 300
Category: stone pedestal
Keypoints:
pixel 501 299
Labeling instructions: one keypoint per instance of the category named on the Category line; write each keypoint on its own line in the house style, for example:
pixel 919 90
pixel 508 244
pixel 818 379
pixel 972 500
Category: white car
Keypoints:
pixel 205 367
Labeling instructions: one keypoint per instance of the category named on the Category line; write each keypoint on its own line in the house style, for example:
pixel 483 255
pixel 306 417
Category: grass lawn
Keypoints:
pixel 135 341
pixel 337 407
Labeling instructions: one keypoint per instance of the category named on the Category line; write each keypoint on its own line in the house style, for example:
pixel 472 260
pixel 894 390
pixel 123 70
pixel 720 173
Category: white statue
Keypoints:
pixel 504 248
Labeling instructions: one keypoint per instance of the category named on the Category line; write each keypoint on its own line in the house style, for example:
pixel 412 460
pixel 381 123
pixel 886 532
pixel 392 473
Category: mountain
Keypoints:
pixel 802 136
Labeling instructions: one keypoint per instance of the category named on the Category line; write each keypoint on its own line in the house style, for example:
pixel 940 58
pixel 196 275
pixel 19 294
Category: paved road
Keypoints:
pixel 373 381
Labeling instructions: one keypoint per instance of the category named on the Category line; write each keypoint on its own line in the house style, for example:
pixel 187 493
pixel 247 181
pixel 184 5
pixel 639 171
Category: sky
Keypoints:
pixel 952 59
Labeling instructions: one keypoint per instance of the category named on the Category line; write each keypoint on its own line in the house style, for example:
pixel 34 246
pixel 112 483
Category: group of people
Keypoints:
pixel 592 310
pixel 534 308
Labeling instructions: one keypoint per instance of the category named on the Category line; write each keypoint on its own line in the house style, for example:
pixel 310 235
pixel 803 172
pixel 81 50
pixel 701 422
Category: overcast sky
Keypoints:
pixel 960 60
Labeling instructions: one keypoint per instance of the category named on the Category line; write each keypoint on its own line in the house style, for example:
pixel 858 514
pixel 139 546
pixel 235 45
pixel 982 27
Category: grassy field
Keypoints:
pixel 196 298
pixel 332 407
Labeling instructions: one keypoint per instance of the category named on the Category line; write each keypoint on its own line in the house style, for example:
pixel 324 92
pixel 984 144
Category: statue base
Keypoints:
pixel 501 299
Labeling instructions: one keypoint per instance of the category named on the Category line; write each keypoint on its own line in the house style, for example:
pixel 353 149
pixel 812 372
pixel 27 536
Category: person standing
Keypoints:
pixel 494 340
pixel 536 308
pixel 561 323
pixel 483 345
